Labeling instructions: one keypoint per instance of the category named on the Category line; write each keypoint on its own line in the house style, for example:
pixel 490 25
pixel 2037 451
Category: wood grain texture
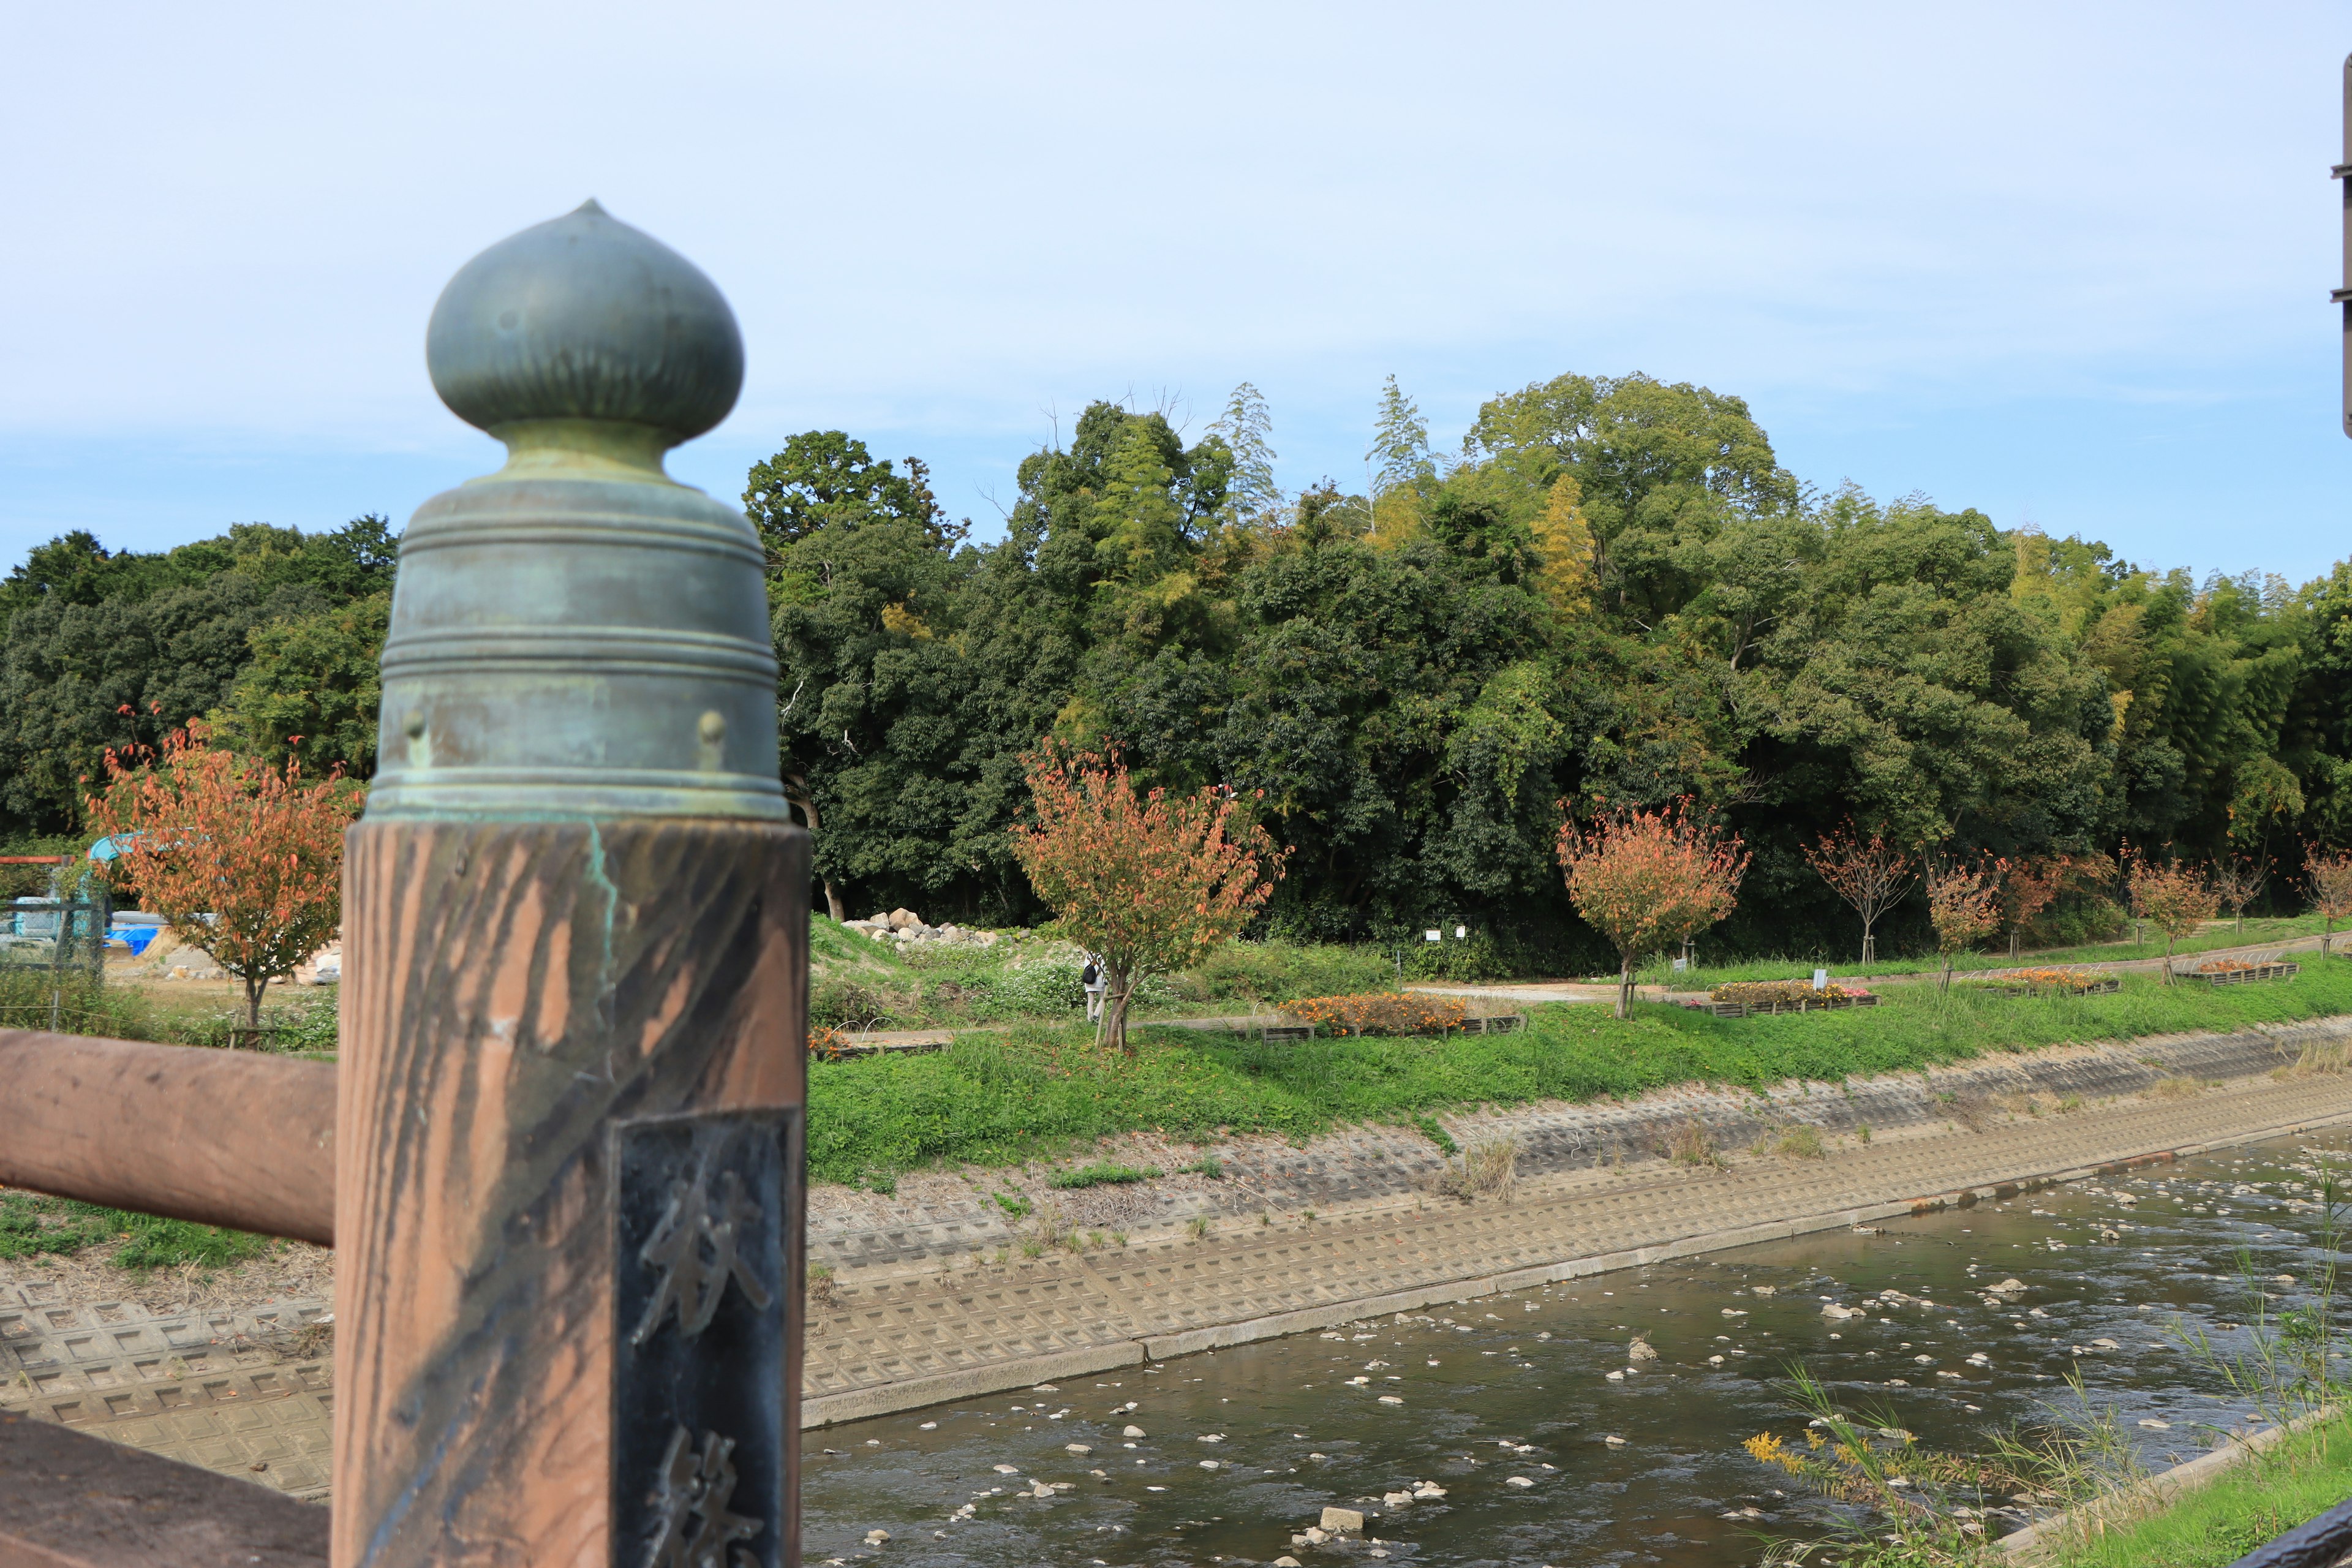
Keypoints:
pixel 511 991
pixel 220 1137
pixel 72 1501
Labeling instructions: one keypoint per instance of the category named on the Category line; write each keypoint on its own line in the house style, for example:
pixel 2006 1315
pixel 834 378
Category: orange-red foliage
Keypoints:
pixel 1646 879
pixel 2174 897
pixel 1963 905
pixel 1868 873
pixel 2331 889
pixel 2031 887
pixel 1381 1013
pixel 1150 883
pixel 242 859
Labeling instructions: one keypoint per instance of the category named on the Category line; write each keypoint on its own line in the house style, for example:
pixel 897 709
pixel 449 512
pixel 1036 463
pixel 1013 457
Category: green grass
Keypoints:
pixel 1784 967
pixel 855 981
pixel 1000 1098
pixel 32 1226
pixel 2259 1498
pixel 1102 1175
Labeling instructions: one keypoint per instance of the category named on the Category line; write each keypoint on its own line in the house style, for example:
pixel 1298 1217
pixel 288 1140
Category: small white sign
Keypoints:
pixel 1681 964
pixel 1821 979
pixel 1433 936
pixel 1461 934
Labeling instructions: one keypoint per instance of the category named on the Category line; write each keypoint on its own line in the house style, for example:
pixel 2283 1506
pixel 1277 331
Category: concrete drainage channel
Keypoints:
pixel 918 1309
pixel 939 1294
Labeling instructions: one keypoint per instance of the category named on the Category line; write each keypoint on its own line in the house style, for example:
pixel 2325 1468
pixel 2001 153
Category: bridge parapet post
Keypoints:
pixel 568 1144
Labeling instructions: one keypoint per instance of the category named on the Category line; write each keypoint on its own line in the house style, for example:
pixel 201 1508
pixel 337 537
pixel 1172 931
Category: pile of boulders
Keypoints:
pixel 905 925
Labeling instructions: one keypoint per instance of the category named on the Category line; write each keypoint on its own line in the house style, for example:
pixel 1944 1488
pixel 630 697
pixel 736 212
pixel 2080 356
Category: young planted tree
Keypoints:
pixel 1964 906
pixel 2237 881
pixel 2175 897
pixel 1150 883
pixel 1646 879
pixel 2028 887
pixel 241 859
pixel 1868 873
pixel 2331 890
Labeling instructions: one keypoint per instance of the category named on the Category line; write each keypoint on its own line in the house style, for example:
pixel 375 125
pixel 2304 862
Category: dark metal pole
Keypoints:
pixel 2343 297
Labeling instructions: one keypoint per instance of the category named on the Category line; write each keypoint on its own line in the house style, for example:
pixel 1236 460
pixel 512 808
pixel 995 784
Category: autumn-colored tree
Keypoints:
pixel 2027 889
pixel 241 859
pixel 2331 890
pixel 2174 897
pixel 1149 883
pixel 1868 873
pixel 2237 881
pixel 1646 879
pixel 1964 906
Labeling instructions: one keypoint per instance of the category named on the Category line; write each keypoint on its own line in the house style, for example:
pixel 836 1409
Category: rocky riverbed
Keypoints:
pixel 1597 1421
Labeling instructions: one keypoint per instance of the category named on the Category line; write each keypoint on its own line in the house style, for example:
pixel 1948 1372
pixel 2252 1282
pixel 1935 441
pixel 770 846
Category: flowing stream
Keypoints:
pixel 1506 1404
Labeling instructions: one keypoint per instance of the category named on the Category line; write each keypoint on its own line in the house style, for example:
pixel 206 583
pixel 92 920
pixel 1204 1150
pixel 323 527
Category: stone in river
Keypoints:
pixel 1338 1519
pixel 1132 1432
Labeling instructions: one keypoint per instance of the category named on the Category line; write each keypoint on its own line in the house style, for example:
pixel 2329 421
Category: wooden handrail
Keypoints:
pixel 68 1500
pixel 227 1138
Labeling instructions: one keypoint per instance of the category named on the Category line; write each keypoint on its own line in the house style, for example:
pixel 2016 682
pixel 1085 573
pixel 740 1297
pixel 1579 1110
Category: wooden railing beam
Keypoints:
pixel 72 1501
pixel 228 1138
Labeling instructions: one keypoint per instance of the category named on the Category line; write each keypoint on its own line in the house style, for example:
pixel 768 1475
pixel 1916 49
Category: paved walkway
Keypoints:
pixel 1593 991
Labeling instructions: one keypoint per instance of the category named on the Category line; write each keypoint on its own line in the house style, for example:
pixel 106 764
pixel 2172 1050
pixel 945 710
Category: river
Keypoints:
pixel 1505 1403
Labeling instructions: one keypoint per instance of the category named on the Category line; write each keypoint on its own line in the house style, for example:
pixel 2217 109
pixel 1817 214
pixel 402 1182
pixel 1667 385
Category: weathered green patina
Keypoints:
pixel 578 636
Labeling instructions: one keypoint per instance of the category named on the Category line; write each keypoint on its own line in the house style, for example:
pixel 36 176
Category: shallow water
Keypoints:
pixel 1471 1395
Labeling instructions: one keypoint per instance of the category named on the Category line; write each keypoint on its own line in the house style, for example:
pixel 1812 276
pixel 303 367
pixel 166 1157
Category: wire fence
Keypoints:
pixel 64 938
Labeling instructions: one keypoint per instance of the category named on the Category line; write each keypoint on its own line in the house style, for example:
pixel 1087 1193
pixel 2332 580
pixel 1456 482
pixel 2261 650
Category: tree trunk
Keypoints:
pixel 1869 946
pixel 253 990
pixel 1111 1033
pixel 1625 983
pixel 1944 981
pixel 833 904
pixel 2168 957
pixel 2013 934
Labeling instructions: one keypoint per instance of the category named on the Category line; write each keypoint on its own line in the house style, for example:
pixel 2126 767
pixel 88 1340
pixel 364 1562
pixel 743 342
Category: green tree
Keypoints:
pixel 827 477
pixel 312 688
pixel 1246 427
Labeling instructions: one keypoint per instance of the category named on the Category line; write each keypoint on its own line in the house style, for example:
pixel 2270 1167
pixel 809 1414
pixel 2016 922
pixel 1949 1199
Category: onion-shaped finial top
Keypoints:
pixel 584 317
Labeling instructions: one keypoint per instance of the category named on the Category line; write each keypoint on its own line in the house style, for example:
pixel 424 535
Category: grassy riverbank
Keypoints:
pixel 998 1098
pixel 2256 1500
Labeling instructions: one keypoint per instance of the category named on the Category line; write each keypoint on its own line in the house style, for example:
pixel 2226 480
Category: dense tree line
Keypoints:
pixel 1613 593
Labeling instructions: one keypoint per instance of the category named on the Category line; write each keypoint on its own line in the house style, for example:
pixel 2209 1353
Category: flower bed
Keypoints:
pixel 2239 971
pixel 1382 1013
pixel 2047 982
pixel 1750 998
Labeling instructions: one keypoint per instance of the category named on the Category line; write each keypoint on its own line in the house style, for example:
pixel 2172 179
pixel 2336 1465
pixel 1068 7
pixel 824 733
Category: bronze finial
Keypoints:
pixel 578 634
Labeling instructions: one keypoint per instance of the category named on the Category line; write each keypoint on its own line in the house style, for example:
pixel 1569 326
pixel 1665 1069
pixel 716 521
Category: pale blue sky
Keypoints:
pixel 2067 264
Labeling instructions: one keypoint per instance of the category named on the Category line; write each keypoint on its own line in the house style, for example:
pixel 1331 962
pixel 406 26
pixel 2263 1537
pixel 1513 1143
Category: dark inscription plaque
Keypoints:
pixel 700 1300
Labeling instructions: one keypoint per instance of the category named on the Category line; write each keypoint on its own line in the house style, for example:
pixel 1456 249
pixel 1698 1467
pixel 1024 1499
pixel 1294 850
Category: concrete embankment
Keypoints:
pixel 944 1292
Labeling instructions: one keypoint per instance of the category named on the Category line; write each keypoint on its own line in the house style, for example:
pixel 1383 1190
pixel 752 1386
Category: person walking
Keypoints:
pixel 1092 979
